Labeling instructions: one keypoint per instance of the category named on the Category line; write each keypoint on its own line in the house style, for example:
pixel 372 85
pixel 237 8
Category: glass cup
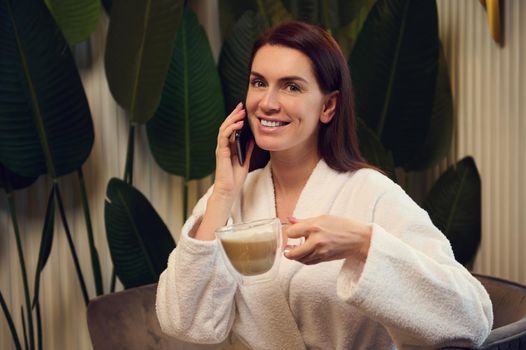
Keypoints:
pixel 252 250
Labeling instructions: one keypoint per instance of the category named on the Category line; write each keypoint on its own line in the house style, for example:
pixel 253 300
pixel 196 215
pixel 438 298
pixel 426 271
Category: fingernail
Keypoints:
pixel 239 104
pixel 292 218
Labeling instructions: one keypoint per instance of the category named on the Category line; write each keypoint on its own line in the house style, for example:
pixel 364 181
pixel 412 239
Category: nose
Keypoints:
pixel 269 104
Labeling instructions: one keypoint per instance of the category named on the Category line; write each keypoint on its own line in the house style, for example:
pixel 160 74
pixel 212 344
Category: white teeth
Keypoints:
pixel 272 124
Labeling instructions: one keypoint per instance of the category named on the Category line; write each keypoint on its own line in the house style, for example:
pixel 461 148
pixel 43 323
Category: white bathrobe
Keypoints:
pixel 410 292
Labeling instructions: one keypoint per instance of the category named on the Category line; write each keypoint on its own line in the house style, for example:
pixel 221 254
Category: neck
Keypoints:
pixel 291 172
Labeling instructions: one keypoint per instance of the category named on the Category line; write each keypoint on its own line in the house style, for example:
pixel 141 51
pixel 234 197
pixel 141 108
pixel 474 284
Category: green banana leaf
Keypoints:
pixel 138 239
pixel 454 205
pixel 349 11
pixel 374 152
pixel 235 56
pixel 10 181
pixel 307 10
pixel 107 6
pixel 394 66
pixel 139 45
pixel 76 19
pixel 274 11
pixel 46 243
pixel 440 132
pixel 353 14
pixel 183 132
pixel 230 11
pixel 45 121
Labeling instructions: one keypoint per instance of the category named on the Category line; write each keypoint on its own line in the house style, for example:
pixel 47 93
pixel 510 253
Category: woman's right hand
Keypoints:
pixel 229 174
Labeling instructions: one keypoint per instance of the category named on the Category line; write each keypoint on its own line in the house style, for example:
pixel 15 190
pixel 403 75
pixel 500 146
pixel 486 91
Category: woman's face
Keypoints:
pixel 284 102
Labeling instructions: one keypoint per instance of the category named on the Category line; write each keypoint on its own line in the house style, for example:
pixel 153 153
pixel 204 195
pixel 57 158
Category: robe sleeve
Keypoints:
pixel 195 294
pixel 411 283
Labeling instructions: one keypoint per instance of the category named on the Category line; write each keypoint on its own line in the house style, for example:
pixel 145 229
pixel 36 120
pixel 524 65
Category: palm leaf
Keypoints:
pixel 10 181
pixel 353 16
pixel 274 11
pixel 454 205
pixel 235 56
pixel 374 152
pixel 139 46
pixel 305 10
pixel 45 121
pixel 76 19
pixel 183 132
pixel 138 239
pixel 394 65
pixel 230 11
pixel 46 243
pixel 440 132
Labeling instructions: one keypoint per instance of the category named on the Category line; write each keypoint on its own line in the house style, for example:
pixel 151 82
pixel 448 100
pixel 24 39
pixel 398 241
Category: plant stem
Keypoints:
pixel 24 329
pixel 58 198
pixel 128 170
pixel 39 327
pixel 95 262
pixel 113 280
pixel 185 200
pixel 21 259
pixel 10 323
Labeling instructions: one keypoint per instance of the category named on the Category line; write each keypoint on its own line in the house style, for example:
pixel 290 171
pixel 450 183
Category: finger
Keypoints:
pixel 299 252
pixel 224 136
pixel 235 114
pixel 300 229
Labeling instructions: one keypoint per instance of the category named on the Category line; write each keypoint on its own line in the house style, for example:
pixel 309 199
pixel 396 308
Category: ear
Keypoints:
pixel 329 107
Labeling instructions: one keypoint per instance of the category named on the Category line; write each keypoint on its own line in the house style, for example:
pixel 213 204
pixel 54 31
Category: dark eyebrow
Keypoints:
pixel 286 78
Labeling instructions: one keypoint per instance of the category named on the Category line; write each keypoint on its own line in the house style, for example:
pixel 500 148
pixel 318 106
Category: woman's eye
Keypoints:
pixel 257 83
pixel 291 87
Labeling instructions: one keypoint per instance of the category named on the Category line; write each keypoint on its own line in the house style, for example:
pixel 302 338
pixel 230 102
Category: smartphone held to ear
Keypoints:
pixel 241 138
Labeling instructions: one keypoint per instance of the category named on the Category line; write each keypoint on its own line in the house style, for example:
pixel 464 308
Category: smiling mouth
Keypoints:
pixel 272 123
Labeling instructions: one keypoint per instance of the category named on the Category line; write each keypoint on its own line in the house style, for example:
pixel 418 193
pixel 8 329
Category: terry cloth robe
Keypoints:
pixel 410 292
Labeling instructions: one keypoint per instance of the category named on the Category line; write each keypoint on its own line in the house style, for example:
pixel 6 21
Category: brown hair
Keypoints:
pixel 338 141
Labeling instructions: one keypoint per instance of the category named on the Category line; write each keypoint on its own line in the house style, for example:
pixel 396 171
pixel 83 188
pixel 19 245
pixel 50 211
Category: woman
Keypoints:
pixel 373 272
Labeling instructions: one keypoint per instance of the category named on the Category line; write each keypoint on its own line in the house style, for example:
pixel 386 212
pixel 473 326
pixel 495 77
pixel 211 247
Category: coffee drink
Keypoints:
pixel 252 254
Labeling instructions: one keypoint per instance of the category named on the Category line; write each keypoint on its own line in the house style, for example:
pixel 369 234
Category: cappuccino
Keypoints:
pixel 253 254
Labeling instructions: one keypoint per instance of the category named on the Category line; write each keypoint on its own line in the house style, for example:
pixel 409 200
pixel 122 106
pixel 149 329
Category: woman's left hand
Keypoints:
pixel 328 238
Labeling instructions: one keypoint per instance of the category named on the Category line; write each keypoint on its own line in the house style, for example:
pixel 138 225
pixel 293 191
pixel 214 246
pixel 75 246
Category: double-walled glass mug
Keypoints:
pixel 252 250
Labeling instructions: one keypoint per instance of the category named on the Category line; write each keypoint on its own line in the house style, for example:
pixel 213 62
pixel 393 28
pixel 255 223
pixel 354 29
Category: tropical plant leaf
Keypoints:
pixel 374 152
pixel 46 243
pixel 354 16
pixel 139 45
pixel 235 57
pixel 230 11
pixel 10 323
pixel 454 205
pixel 107 6
pixel 76 19
pixel 440 132
pixel 10 181
pixel 394 65
pixel 138 239
pixel 306 10
pixel 350 11
pixel 274 11
pixel 183 133
pixel 45 121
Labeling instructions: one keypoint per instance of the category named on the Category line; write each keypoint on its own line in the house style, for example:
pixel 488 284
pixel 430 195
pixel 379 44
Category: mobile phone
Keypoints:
pixel 241 138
